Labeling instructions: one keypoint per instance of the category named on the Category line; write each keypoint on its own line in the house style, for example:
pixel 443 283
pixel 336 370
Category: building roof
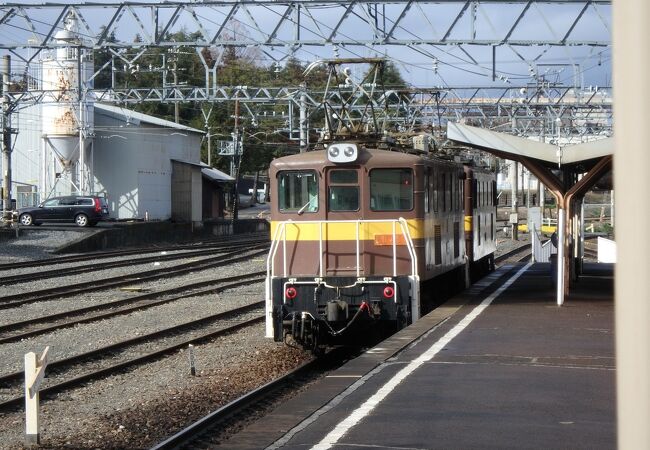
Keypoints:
pixel 216 175
pixel 136 118
pixel 208 172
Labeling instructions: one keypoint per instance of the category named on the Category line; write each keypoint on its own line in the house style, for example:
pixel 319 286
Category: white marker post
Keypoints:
pixel 34 374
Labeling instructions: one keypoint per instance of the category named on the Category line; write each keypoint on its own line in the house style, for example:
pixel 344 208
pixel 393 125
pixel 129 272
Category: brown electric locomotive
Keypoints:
pixel 357 233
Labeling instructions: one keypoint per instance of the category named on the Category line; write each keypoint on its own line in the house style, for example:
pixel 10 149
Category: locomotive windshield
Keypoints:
pixel 391 189
pixel 298 191
pixel 343 190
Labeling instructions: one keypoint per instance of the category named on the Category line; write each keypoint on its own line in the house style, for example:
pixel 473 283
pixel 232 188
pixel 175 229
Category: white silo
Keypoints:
pixel 68 114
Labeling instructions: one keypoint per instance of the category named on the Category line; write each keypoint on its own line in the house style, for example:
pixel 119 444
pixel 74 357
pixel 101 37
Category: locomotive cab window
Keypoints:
pixel 298 191
pixel 343 192
pixel 391 189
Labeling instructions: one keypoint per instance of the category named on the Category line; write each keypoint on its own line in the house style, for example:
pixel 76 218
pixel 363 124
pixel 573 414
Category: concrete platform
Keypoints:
pixel 516 372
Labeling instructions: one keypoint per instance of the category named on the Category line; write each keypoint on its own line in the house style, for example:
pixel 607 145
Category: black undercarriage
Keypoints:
pixel 315 313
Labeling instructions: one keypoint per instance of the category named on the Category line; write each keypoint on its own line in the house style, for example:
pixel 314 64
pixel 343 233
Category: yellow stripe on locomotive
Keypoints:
pixel 468 223
pixel 379 232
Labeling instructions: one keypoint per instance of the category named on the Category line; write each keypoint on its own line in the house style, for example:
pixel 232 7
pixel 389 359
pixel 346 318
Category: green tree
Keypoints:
pixel 390 76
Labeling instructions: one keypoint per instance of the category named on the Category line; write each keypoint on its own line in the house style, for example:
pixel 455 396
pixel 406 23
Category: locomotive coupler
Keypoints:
pixel 337 310
pixel 374 309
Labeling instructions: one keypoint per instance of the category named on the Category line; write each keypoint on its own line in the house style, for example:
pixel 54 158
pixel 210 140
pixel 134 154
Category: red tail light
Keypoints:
pixel 291 292
pixel 98 206
pixel 389 292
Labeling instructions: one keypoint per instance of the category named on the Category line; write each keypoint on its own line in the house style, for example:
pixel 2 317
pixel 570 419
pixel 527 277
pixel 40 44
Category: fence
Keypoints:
pixel 541 251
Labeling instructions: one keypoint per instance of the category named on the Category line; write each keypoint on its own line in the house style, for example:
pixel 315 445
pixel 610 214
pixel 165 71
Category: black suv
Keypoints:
pixel 83 210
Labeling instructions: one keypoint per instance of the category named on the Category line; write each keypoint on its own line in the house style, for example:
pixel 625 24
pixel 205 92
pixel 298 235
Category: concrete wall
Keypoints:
pixel 141 234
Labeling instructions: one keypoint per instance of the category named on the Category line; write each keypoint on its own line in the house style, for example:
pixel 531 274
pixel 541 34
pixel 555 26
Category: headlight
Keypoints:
pixel 342 153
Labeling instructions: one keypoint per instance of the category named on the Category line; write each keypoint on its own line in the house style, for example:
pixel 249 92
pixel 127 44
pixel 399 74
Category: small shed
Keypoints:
pixel 215 185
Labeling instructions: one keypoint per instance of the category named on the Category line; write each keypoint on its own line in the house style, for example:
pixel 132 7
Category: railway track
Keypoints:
pixel 518 254
pixel 591 250
pixel 24 329
pixel 209 430
pixel 10 301
pixel 252 238
pixel 52 273
pixel 229 321
pixel 523 253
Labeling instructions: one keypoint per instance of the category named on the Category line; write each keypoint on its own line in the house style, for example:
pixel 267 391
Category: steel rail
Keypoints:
pixel 131 306
pixel 195 431
pixel 10 301
pixel 212 243
pixel 527 255
pixel 72 361
pixel 509 254
pixel 23 277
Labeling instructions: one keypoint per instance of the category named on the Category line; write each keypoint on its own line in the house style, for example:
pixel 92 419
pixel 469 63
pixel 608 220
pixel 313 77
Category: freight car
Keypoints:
pixel 358 233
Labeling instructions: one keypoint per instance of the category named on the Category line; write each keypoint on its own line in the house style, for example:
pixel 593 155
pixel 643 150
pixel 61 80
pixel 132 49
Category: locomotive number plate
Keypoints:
pixel 387 239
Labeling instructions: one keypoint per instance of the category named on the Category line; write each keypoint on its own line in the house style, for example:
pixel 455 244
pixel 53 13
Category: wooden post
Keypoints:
pixel 34 374
pixel 191 357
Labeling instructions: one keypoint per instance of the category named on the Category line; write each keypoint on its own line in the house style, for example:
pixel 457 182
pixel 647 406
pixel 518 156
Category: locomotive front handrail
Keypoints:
pixel 280 235
pixel 410 246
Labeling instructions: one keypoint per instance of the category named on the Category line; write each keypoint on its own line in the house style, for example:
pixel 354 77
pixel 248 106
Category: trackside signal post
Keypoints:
pixel 34 374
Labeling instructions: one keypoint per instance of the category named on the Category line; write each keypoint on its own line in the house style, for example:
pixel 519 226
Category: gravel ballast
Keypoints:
pixel 34 244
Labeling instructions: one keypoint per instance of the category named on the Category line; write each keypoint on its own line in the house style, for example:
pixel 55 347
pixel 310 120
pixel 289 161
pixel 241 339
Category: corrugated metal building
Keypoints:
pixel 145 166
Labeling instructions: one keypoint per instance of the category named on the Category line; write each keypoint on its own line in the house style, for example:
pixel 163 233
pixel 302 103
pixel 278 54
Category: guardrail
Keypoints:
pixel 541 251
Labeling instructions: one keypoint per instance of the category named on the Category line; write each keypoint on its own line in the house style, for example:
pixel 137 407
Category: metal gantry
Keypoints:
pixel 523 110
pixel 446 33
pixel 280 29
pixel 292 24
pixel 528 29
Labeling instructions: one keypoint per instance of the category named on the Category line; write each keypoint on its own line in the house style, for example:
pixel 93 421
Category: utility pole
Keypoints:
pixel 236 160
pixel 304 135
pixel 176 86
pixel 206 122
pixel 209 148
pixel 6 139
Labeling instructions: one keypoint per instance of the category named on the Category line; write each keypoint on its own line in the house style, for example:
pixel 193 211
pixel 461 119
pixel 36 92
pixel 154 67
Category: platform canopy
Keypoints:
pixel 581 157
pixel 569 172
